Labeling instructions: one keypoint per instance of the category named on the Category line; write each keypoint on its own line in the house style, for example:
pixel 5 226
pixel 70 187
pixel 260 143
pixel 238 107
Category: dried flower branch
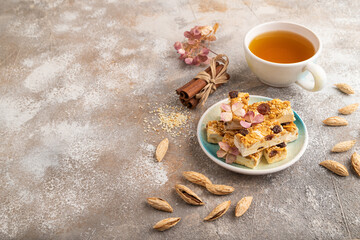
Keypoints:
pixel 195 49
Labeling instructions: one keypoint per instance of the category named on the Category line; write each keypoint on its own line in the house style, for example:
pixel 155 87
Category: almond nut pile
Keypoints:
pixel 190 197
pixel 344 146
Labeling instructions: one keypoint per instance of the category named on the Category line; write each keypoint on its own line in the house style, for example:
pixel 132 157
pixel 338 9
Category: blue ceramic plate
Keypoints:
pixel 295 149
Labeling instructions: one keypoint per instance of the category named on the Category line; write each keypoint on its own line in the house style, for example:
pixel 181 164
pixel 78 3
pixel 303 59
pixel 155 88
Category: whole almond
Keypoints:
pixel 197 178
pixel 166 223
pixel 220 210
pixel 335 167
pixel 162 149
pixel 355 162
pixel 345 88
pixel 187 195
pixel 349 109
pixel 219 189
pixel 160 204
pixel 343 146
pixel 243 205
pixel 335 121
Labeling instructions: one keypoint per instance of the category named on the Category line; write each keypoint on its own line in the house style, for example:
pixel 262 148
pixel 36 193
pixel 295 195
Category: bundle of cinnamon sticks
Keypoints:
pixel 189 90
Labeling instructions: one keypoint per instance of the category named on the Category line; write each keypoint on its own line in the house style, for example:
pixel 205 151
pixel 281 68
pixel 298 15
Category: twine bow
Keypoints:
pixel 213 79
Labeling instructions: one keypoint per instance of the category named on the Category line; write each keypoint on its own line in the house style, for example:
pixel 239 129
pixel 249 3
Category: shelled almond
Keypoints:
pixel 345 88
pixel 335 121
pixel 166 223
pixel 160 204
pixel 162 149
pixel 202 180
pixel 343 146
pixel 197 178
pixel 242 206
pixel 349 109
pixel 355 162
pixel 335 167
pixel 219 189
pixel 188 195
pixel 218 211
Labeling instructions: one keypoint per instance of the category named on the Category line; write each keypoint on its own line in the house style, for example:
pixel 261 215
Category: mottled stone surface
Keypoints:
pixel 75 80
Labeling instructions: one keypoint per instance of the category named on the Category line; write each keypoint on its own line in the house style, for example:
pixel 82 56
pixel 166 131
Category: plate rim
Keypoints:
pixel 251 171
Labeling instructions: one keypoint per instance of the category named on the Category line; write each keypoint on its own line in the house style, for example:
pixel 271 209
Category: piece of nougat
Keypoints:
pixel 250 161
pixel 264 135
pixel 215 131
pixel 275 153
pixel 229 138
pixel 277 110
pixel 290 127
pixel 237 97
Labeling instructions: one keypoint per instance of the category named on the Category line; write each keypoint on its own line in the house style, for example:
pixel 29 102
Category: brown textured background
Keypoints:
pixel 75 163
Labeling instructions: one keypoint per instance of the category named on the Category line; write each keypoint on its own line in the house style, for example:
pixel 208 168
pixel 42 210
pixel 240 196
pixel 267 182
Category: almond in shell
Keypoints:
pixel 166 223
pixel 187 195
pixel 345 88
pixel 162 149
pixel 160 204
pixel 243 205
pixel 335 121
pixel 197 178
pixel 343 146
pixel 219 189
pixel 335 167
pixel 349 109
pixel 220 210
pixel 355 162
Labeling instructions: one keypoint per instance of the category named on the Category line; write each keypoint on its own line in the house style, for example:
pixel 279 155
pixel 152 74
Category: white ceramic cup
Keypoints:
pixel 284 74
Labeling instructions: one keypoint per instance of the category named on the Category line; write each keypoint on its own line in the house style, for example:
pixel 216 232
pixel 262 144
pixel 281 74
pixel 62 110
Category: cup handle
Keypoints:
pixel 319 76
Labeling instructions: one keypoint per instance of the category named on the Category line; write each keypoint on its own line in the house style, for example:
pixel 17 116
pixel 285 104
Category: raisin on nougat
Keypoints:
pixel 275 109
pixel 264 135
pixel 275 153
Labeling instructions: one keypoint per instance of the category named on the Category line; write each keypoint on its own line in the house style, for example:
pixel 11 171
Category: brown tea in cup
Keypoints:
pixel 282 47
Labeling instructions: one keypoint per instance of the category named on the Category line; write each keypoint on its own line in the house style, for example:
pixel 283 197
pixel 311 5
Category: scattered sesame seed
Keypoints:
pixel 170 119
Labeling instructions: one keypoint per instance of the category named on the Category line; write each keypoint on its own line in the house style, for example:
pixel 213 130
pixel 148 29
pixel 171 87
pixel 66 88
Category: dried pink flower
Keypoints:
pixel 194 50
pixel 228 152
pixel 251 119
pixel 236 108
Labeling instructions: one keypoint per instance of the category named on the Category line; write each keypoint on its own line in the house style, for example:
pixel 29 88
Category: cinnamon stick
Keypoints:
pixel 191 90
pixel 179 90
pixel 186 85
pixel 194 86
pixel 193 102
